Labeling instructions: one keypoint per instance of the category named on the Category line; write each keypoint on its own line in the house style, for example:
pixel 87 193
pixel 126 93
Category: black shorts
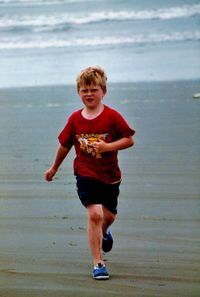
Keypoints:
pixel 92 191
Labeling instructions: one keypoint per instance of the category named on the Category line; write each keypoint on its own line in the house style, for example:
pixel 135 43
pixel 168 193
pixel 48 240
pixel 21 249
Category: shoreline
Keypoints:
pixel 110 83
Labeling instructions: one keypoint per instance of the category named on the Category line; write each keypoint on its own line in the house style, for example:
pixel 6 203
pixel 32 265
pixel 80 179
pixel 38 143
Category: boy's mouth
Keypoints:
pixel 89 99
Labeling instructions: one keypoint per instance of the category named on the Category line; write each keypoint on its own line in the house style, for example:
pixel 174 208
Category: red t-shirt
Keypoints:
pixel 80 132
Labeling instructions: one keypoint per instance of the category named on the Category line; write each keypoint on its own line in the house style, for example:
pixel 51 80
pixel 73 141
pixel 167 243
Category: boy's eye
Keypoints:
pixel 93 90
pixel 83 91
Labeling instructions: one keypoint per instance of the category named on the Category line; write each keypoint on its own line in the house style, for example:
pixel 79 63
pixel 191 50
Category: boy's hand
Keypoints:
pixel 100 146
pixel 120 144
pixel 49 174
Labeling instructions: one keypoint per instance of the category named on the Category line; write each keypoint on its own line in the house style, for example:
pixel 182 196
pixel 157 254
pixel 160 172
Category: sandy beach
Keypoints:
pixel 43 245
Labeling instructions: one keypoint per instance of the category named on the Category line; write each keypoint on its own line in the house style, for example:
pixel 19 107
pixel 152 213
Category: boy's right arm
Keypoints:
pixel 60 156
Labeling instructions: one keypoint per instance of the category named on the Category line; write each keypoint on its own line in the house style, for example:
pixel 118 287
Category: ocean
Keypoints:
pixel 49 42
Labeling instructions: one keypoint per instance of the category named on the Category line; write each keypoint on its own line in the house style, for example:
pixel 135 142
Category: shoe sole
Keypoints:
pixel 101 277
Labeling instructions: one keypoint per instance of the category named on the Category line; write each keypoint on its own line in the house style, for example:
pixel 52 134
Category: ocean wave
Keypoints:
pixel 38 2
pixel 106 41
pixel 58 19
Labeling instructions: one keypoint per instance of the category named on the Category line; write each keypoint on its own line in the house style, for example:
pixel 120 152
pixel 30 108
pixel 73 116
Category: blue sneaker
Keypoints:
pixel 107 242
pixel 100 272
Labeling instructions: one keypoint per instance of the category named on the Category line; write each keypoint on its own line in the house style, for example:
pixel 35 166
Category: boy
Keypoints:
pixel 97 133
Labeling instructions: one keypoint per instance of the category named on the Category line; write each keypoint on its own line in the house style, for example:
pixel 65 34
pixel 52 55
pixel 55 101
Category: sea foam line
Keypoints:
pixel 101 16
pixel 38 2
pixel 106 41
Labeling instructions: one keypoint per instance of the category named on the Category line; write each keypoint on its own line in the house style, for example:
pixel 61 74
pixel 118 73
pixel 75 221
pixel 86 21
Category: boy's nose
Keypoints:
pixel 89 92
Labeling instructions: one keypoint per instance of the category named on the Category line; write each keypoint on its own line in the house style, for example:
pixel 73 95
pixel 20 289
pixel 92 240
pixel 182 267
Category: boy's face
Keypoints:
pixel 91 95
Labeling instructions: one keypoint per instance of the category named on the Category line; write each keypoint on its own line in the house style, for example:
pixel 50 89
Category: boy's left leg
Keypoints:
pixel 108 219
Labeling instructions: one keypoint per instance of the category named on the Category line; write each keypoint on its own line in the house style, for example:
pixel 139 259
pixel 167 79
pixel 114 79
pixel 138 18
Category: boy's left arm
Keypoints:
pixel 123 143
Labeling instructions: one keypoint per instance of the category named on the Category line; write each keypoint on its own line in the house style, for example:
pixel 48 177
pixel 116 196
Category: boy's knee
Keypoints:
pixel 96 216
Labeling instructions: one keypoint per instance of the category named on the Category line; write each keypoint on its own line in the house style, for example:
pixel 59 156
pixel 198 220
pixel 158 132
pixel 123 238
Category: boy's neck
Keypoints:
pixel 90 113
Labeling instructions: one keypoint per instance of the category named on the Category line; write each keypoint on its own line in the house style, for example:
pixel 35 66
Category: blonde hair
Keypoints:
pixel 92 75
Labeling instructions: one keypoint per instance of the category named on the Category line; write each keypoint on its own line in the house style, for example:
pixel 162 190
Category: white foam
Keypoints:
pixel 79 19
pixel 38 2
pixel 18 43
pixel 53 105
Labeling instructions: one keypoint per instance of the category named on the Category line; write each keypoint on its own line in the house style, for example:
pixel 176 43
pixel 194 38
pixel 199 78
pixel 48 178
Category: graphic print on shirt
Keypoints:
pixel 86 142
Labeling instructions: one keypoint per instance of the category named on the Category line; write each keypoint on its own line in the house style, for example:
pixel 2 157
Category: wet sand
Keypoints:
pixel 44 250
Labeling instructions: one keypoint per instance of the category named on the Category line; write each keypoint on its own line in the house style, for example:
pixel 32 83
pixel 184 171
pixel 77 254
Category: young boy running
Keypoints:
pixel 97 132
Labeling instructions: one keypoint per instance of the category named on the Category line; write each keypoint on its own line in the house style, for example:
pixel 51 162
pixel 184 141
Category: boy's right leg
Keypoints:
pixel 94 229
pixel 95 222
pixel 99 219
